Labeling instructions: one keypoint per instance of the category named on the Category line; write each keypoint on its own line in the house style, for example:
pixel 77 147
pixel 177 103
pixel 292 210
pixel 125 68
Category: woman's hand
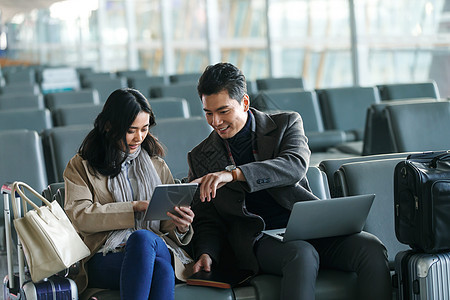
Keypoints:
pixel 184 220
pixel 139 205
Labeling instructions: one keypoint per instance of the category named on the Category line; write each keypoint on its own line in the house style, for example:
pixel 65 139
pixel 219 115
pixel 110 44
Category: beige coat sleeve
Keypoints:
pixel 91 211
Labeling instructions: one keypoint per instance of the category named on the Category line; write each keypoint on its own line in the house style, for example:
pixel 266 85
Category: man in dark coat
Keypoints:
pixel 251 170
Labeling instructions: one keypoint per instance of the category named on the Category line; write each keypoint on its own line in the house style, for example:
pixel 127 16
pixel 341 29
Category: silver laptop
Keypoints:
pixel 166 196
pixel 325 218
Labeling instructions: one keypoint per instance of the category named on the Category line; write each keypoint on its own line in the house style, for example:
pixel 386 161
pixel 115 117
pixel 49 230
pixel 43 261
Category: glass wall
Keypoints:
pixel 149 36
pixel 394 41
pixel 413 45
pixel 242 31
pixel 188 28
pixel 311 39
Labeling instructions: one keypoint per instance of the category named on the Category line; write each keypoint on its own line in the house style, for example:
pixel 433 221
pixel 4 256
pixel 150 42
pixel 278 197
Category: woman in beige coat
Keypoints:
pixel 108 184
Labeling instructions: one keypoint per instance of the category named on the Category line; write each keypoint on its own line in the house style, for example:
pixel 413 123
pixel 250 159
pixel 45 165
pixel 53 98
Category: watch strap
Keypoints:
pixel 234 174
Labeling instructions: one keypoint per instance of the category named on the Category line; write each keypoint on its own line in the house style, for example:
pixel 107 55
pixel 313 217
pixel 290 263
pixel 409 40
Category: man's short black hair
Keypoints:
pixel 222 76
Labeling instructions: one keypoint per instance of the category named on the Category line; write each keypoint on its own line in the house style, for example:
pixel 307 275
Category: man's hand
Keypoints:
pixel 204 263
pixel 211 182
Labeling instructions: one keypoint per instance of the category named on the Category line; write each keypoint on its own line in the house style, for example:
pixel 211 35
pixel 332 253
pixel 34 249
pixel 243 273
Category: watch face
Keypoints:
pixel 230 168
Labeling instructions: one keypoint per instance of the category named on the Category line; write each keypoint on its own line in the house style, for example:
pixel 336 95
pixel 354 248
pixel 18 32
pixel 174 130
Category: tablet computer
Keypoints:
pixel 166 196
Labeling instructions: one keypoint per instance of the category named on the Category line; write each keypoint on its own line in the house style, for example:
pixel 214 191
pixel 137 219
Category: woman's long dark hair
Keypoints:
pixel 101 147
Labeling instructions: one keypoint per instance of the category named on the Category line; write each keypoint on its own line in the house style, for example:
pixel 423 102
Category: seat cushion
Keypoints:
pixel 189 292
pixel 330 285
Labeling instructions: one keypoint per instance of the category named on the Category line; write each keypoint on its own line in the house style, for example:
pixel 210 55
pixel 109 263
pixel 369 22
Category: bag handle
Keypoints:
pixel 443 156
pixel 18 187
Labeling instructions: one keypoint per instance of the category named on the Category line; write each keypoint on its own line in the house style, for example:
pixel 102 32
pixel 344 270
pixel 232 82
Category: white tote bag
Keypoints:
pixel 50 242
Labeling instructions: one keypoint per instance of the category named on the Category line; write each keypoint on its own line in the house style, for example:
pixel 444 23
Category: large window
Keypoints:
pixel 188 28
pixel 149 36
pixel 390 41
pixel 242 31
pixel 311 39
pixel 403 47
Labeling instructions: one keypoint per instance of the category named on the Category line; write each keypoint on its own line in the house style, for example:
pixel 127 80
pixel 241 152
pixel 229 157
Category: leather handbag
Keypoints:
pixel 49 240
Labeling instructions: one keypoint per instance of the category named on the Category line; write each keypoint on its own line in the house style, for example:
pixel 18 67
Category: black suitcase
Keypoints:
pixel 21 287
pixel 422 276
pixel 422 201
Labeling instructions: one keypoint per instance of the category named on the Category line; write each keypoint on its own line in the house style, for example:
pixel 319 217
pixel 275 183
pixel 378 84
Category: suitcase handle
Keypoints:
pixel 440 157
pixel 427 155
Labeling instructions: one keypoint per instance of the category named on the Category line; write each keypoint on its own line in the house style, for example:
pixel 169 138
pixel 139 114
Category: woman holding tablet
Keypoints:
pixel 108 184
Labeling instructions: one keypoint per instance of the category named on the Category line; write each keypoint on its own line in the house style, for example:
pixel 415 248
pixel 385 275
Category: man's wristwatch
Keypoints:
pixel 232 169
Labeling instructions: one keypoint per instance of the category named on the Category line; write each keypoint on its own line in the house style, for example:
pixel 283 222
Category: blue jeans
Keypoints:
pixel 142 271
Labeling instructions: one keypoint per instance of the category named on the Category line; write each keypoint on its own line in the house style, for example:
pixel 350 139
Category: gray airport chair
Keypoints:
pixel 22 159
pixel 187 77
pixel 20 88
pixel 131 73
pixel 25 76
pixel 60 145
pixel 330 166
pixel 86 77
pixel 186 91
pixel 145 83
pixel 105 86
pixel 26 118
pixel 54 101
pixel 169 107
pixel 83 71
pixel 377 138
pixel 76 114
pixel 419 126
pixel 17 101
pixel 251 89
pixel 50 191
pixel 273 83
pixel 396 91
pixel 375 177
pixel 298 100
pixel 318 182
pixel 307 105
pixel 179 136
pixel 345 108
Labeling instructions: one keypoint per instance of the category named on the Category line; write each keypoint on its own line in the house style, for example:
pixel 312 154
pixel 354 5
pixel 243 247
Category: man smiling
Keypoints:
pixel 251 170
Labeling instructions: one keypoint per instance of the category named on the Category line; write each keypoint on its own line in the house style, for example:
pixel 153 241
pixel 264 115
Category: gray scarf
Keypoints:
pixel 139 166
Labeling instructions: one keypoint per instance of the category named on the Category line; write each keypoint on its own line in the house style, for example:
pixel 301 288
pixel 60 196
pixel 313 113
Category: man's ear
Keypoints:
pixel 246 102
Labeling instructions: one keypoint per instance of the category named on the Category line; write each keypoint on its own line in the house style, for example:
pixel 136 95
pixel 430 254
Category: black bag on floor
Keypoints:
pixel 422 201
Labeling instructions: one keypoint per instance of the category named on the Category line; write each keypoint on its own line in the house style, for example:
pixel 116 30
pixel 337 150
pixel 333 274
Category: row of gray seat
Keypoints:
pixel 384 131
pixel 64 113
pixel 58 144
pixel 34 74
pixel 139 79
pixel 354 119
pixel 184 86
